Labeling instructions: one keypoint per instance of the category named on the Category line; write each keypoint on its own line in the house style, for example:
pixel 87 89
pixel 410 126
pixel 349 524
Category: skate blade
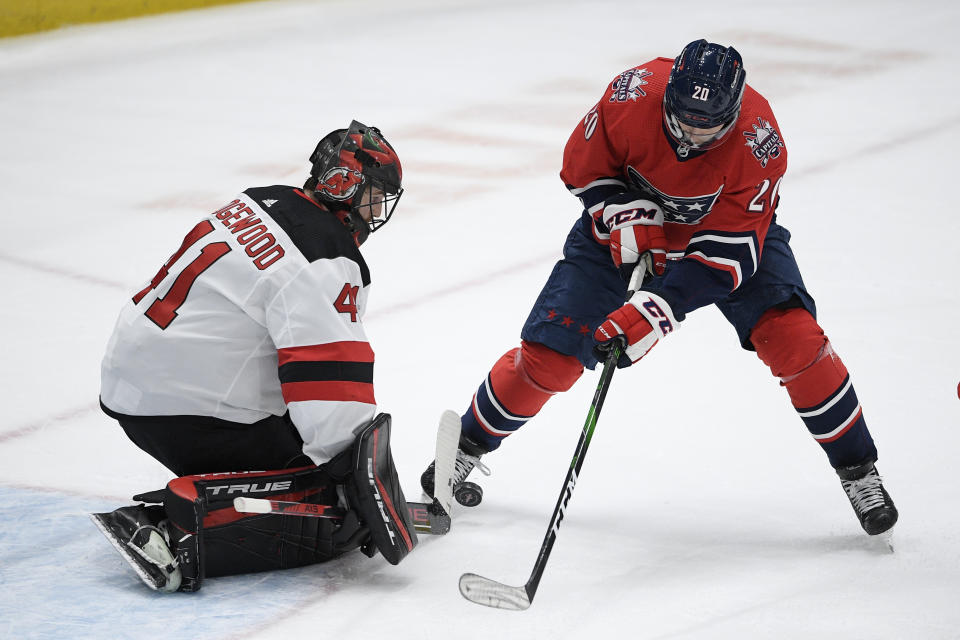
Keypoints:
pixel 122 549
pixel 883 542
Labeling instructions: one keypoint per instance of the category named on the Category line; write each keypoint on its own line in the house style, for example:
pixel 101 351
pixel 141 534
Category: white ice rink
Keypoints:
pixel 704 509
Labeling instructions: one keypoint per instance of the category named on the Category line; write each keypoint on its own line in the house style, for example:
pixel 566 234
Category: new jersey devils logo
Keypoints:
pixel 340 183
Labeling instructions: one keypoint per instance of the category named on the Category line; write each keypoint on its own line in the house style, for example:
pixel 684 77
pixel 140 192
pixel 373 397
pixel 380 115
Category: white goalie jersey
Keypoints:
pixel 258 312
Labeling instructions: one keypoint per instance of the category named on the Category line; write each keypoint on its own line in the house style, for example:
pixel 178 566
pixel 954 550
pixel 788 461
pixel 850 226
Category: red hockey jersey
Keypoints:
pixel 717 204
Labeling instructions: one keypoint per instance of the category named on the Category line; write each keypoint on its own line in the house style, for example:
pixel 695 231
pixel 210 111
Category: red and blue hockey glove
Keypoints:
pixel 636 233
pixel 642 321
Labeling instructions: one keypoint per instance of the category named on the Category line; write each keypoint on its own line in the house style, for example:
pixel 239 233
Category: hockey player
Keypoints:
pixel 243 367
pixel 678 168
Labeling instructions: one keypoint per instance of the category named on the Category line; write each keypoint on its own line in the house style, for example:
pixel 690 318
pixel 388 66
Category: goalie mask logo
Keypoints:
pixel 340 183
pixel 764 141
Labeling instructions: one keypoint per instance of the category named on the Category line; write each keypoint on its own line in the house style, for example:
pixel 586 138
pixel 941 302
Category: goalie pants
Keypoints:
pixel 772 313
pixel 189 445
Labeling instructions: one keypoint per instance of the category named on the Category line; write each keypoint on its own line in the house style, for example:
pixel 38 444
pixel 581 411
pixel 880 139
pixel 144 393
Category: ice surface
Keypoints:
pixel 704 510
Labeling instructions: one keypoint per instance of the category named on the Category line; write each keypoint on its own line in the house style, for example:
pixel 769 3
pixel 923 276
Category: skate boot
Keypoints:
pixel 139 534
pixel 468 494
pixel 870 501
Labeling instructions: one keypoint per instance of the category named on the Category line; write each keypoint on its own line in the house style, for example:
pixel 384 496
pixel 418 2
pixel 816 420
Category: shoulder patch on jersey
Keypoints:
pixel 315 231
pixel 764 141
pixel 628 86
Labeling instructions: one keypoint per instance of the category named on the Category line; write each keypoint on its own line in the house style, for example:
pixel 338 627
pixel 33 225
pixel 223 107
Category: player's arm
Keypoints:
pixel 593 170
pixel 716 262
pixel 594 156
pixel 325 361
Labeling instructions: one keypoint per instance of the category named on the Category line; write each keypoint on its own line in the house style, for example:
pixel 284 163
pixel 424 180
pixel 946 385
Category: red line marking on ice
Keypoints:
pixel 57 271
pixel 66 492
pixel 454 289
pixel 40 425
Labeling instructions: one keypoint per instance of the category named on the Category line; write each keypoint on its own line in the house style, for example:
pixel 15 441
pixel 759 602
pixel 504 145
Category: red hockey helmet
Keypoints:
pixel 357 174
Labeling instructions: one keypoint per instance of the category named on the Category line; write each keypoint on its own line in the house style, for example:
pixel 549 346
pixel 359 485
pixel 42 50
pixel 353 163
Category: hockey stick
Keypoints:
pixel 284 507
pixel 427 518
pixel 448 437
pixel 424 518
pixel 495 594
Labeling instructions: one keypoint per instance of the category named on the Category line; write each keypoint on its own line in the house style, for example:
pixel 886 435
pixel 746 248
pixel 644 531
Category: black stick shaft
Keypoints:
pixel 609 366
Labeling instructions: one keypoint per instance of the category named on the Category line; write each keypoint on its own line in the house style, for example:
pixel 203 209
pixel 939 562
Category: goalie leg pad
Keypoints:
pixel 213 539
pixel 793 345
pixel 374 491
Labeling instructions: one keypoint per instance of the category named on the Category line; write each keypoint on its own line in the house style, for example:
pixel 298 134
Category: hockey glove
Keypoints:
pixel 636 233
pixel 642 321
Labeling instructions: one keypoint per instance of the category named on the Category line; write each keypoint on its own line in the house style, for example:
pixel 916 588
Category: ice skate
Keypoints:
pixel 468 494
pixel 137 532
pixel 870 501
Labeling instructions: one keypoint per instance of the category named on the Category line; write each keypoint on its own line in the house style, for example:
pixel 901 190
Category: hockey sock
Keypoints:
pixel 795 348
pixel 515 390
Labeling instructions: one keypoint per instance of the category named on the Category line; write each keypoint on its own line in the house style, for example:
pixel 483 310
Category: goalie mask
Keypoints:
pixel 356 174
pixel 703 95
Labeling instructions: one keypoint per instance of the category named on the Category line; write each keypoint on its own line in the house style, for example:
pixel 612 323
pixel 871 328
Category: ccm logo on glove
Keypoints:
pixel 636 233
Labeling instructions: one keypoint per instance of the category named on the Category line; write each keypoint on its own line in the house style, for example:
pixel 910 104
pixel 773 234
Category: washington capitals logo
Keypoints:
pixel 678 209
pixel 340 183
pixel 764 141
pixel 629 85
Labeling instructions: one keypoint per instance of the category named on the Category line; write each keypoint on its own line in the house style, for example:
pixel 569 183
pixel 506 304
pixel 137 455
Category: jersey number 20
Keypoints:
pixel 163 310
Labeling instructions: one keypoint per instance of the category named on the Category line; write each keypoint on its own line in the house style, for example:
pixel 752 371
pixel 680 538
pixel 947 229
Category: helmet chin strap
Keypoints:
pixel 359 229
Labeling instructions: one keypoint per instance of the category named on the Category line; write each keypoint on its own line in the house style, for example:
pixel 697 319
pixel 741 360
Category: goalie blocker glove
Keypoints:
pixel 642 321
pixel 376 494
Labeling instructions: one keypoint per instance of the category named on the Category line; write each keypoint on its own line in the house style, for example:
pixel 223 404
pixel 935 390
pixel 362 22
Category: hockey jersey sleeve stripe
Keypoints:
pixel 329 390
pixel 732 267
pixel 734 254
pixel 739 246
pixel 326 371
pixel 602 182
pixel 333 351
pixel 593 194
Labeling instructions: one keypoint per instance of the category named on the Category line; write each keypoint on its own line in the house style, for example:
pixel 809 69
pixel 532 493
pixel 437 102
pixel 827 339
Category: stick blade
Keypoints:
pixel 448 439
pixel 491 593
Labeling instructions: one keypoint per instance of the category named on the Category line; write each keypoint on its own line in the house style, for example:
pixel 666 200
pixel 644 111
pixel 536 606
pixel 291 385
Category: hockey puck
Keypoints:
pixel 468 494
